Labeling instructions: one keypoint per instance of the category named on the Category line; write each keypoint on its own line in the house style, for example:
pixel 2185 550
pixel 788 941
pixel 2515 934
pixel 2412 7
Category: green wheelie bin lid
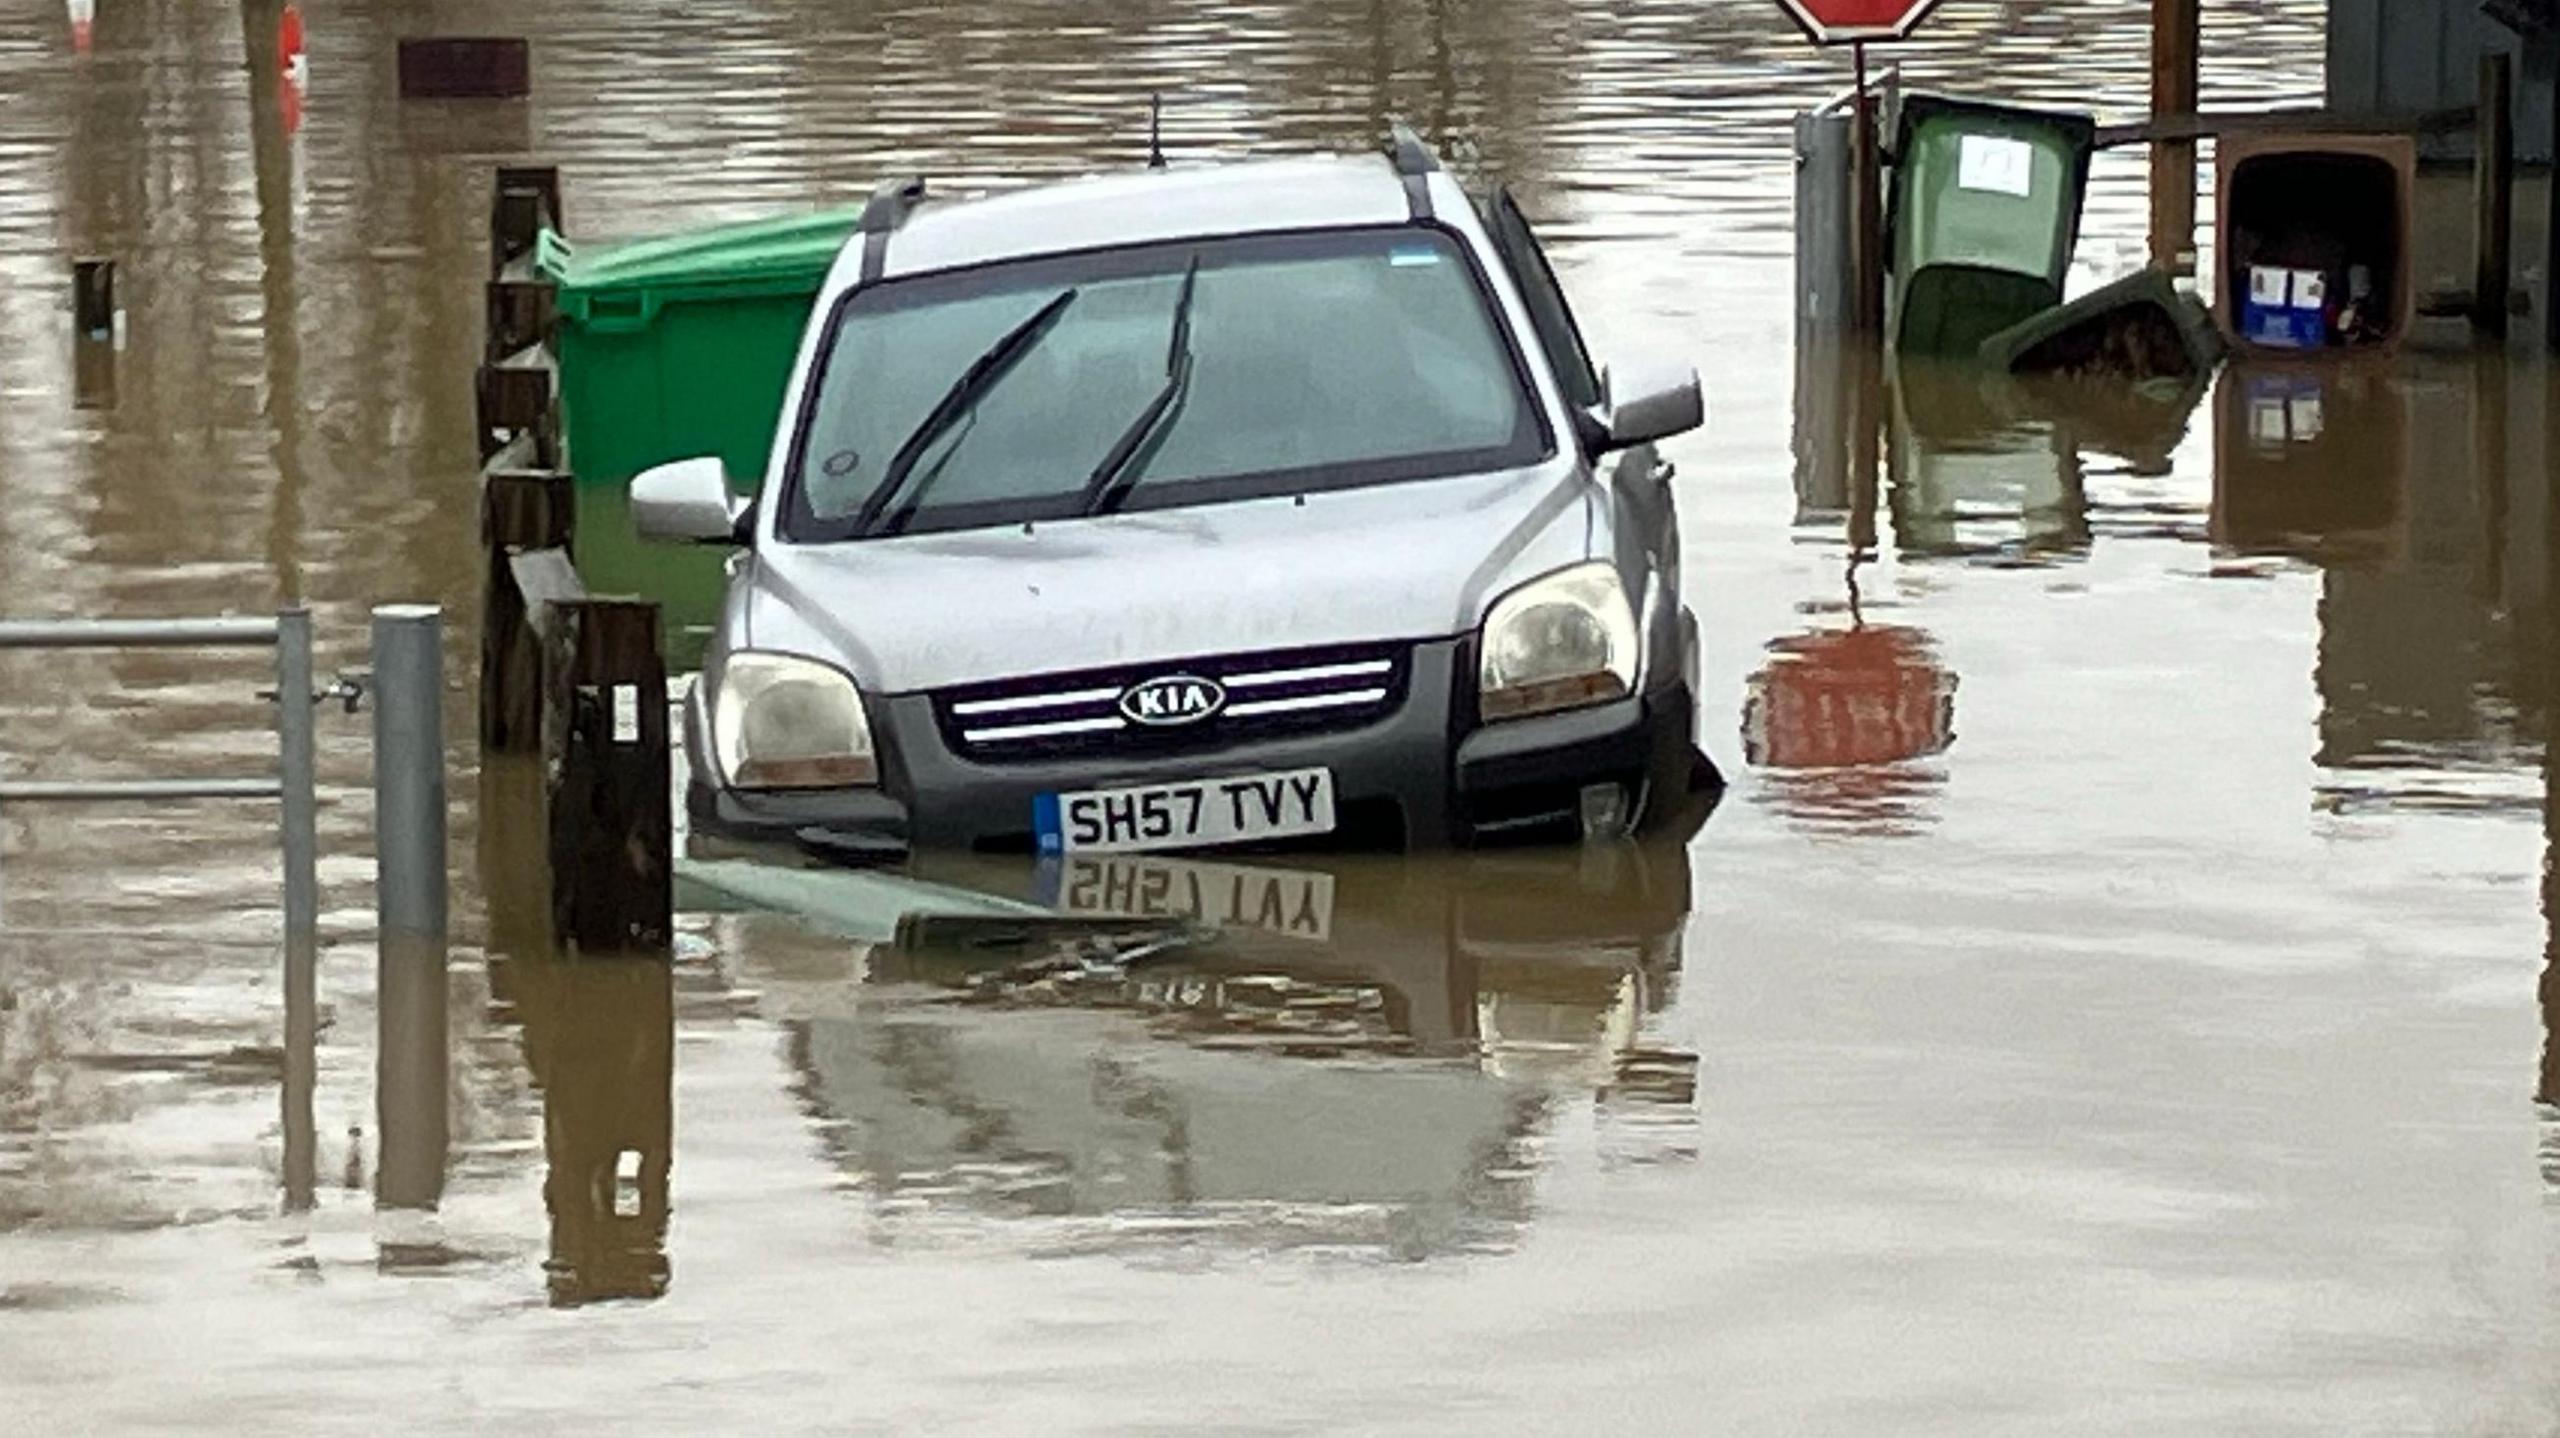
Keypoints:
pixel 1986 214
pixel 680 346
pixel 625 286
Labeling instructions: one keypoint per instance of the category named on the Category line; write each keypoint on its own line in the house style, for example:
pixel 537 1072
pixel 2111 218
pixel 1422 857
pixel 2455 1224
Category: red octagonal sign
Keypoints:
pixel 1852 22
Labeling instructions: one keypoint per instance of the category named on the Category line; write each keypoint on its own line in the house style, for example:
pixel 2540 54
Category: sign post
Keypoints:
pixel 1856 24
pixel 293 62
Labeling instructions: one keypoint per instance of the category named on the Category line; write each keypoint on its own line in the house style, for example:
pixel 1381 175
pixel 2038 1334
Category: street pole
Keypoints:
pixel 410 893
pixel 1866 166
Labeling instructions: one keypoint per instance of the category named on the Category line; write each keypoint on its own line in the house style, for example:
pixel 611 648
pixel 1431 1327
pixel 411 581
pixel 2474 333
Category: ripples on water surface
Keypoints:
pixel 2107 1000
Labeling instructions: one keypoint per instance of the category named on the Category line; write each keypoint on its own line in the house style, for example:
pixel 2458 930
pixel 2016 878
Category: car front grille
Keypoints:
pixel 1285 692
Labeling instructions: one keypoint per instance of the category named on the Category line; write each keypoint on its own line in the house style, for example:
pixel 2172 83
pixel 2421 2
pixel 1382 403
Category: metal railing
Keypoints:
pixel 294 787
pixel 289 635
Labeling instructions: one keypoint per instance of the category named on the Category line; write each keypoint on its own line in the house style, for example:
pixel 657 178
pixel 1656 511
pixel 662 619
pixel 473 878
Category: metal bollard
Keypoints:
pixel 409 818
pixel 1826 281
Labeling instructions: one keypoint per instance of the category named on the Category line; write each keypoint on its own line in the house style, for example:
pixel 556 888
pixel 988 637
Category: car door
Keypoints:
pixel 1648 531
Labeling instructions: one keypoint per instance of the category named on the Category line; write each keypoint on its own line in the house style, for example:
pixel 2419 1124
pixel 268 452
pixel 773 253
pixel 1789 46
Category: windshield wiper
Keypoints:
pixel 982 375
pixel 1106 488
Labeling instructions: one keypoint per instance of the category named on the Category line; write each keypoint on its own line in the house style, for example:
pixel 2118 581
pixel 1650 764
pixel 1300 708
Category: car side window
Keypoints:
pixel 1549 312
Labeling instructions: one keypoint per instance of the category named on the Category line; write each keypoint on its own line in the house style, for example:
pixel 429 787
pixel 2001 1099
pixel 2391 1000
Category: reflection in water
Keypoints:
pixel 1977 472
pixel 2547 1091
pixel 412 1073
pixel 599 1041
pixel 1837 719
pixel 93 373
pixel 599 1038
pixel 2436 635
pixel 1367 1055
pixel 2312 461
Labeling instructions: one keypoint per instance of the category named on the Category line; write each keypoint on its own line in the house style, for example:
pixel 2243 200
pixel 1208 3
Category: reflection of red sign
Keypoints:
pixel 1846 22
pixel 296 62
pixel 84 24
pixel 1849 698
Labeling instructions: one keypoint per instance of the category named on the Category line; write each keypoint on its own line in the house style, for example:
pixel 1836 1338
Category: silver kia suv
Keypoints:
pixel 1268 504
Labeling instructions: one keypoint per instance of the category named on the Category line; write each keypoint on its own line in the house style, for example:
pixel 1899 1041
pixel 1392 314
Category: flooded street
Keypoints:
pixel 2110 998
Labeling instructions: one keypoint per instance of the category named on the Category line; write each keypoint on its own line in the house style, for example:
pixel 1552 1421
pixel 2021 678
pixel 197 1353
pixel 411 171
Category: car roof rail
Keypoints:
pixel 890 206
pixel 1416 164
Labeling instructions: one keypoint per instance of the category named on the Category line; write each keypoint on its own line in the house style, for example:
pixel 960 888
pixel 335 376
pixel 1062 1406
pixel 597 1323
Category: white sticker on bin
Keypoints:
pixel 2310 290
pixel 1993 165
pixel 2270 286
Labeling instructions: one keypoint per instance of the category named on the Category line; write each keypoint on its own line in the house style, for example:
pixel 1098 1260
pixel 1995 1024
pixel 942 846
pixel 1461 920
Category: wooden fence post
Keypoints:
pixel 521 512
pixel 93 298
pixel 605 745
pixel 2493 180
pixel 577 679
pixel 525 203
pixel 2177 43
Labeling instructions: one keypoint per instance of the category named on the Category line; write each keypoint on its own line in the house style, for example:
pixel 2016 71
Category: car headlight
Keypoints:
pixel 782 722
pixel 1567 641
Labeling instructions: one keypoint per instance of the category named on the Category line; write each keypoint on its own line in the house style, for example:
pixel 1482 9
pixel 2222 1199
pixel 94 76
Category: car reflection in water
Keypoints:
pixel 1351 1055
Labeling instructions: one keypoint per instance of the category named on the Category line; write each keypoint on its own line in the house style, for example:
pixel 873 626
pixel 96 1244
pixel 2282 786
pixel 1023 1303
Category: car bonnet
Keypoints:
pixel 1407 561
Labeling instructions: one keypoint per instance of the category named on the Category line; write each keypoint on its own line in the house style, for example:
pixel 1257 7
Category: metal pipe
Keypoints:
pixel 126 791
pixel 296 768
pixel 410 1072
pixel 245 633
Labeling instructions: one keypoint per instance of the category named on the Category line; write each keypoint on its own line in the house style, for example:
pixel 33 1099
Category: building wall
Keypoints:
pixel 2404 57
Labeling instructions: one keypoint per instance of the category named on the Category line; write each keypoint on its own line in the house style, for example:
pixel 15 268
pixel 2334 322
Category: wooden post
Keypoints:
pixel 2494 181
pixel 521 512
pixel 605 746
pixel 526 202
pixel 2177 44
pixel 516 394
pixel 93 298
pixel 523 312
pixel 2551 268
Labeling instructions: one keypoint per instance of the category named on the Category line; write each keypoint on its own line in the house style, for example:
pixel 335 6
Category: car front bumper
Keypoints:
pixel 1414 778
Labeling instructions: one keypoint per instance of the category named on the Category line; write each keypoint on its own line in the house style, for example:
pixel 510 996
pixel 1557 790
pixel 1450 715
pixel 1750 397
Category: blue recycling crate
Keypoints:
pixel 2283 326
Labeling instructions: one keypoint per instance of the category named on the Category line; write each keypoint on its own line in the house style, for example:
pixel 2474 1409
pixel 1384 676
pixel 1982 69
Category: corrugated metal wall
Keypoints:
pixel 2406 57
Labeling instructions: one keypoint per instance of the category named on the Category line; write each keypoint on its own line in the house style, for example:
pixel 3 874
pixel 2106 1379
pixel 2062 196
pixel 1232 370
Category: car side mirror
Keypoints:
pixel 1641 403
pixel 687 502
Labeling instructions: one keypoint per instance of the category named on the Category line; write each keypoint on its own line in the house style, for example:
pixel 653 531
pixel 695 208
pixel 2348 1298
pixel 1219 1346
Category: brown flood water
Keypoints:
pixel 2107 1000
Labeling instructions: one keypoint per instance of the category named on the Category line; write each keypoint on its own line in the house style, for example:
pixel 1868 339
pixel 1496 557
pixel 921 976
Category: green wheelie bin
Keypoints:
pixel 1986 214
pixel 674 348
pixel 678 347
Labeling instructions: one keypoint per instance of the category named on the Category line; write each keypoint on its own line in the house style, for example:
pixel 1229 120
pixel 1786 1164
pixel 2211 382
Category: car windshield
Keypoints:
pixel 1317 360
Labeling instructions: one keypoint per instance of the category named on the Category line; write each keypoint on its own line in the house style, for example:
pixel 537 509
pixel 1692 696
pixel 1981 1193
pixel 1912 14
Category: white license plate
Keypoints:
pixel 1197 815
pixel 1286 902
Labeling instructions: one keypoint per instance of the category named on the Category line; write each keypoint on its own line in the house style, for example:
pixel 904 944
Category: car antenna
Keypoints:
pixel 1155 130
